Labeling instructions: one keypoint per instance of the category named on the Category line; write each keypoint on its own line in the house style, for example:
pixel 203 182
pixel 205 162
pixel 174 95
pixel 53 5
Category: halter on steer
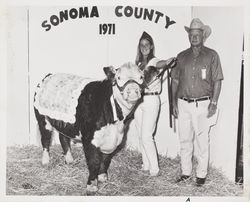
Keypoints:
pixel 122 88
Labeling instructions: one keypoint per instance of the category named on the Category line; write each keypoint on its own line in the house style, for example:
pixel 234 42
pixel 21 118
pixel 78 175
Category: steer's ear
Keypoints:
pixel 110 72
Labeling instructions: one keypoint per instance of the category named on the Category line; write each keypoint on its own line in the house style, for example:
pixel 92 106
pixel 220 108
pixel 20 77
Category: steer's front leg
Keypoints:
pixel 103 172
pixel 93 159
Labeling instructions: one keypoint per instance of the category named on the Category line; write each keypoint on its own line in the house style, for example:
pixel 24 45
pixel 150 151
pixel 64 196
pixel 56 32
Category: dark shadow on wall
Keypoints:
pixel 239 158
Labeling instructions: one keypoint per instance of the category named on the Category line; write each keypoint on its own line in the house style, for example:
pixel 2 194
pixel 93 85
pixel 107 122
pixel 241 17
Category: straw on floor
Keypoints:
pixel 27 176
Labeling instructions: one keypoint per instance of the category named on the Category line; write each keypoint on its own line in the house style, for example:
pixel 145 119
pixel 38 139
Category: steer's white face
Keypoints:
pixel 129 79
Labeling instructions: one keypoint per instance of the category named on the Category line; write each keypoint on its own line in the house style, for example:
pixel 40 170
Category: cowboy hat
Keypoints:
pixel 197 24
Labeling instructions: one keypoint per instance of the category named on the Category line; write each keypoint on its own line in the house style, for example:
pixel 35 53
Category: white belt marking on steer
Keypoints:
pixel 57 96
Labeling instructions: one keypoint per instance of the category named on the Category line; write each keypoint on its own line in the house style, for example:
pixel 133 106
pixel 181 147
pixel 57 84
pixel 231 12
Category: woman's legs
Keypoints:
pixel 138 124
pixel 149 115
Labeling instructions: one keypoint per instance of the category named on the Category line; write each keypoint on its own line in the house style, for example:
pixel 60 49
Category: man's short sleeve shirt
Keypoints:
pixel 196 75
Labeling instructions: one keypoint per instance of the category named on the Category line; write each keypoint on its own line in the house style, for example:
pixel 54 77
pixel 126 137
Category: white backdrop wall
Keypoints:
pixel 17 77
pixel 75 46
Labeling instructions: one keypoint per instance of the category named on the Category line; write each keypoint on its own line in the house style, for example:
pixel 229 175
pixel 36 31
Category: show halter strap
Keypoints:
pixel 131 113
pixel 121 88
pixel 169 90
pixel 170 98
pixel 112 100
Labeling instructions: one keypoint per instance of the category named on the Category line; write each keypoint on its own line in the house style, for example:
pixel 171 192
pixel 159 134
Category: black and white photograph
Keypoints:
pixel 129 99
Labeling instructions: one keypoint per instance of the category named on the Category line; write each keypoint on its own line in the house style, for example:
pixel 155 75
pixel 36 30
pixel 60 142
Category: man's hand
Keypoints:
pixel 168 61
pixel 175 110
pixel 175 84
pixel 211 110
pixel 213 104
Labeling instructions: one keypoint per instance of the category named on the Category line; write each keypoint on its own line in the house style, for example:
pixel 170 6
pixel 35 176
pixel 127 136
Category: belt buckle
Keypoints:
pixel 185 99
pixel 196 102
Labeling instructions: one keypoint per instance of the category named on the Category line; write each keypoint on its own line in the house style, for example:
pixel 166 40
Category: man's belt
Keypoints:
pixel 151 93
pixel 189 100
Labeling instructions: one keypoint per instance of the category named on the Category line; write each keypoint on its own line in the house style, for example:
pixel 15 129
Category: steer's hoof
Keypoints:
pixel 68 158
pixel 102 177
pixel 144 167
pixel 92 188
pixel 45 158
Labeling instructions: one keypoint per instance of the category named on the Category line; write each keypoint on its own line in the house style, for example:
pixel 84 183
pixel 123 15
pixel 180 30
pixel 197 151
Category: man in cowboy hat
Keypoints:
pixel 196 85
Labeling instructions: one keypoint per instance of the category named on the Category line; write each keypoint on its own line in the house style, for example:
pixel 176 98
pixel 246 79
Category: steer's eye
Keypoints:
pixel 119 78
pixel 141 77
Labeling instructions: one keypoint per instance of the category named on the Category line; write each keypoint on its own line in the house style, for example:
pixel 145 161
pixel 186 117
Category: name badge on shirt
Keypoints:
pixel 203 72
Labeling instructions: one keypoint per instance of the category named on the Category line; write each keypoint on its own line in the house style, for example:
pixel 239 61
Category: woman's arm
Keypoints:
pixel 163 63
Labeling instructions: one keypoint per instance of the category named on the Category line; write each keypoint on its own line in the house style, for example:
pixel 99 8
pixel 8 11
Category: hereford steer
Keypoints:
pixel 93 110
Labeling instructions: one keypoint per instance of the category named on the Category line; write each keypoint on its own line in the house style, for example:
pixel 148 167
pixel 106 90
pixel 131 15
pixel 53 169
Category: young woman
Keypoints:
pixel 146 115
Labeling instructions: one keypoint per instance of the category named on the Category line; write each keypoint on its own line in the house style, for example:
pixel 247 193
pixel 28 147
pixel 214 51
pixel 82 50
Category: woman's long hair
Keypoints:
pixel 139 56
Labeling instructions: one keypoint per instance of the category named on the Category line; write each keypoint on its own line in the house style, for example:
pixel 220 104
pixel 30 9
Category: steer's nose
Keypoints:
pixel 133 89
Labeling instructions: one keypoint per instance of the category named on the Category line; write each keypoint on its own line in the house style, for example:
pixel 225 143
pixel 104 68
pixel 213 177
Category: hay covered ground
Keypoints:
pixel 27 176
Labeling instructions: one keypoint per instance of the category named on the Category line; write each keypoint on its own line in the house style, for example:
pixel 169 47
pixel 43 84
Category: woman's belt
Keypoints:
pixel 151 93
pixel 189 100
